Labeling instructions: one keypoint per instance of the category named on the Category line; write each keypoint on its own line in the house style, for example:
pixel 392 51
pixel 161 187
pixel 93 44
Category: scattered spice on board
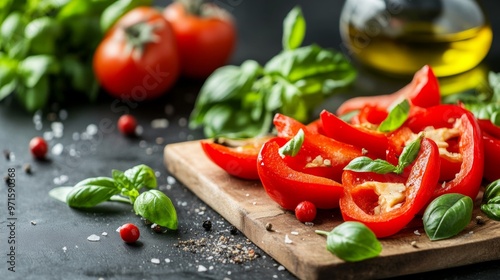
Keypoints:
pixel 222 250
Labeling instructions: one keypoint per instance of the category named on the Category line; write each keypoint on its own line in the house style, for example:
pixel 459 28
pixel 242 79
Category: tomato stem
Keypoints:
pixel 193 7
pixel 138 36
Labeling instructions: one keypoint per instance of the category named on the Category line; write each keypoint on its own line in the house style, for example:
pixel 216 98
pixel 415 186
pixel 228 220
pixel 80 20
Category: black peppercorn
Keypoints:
pixel 233 230
pixel 207 225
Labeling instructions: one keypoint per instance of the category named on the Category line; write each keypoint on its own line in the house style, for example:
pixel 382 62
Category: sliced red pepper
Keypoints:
pixel 467 180
pixel 361 202
pixel 370 114
pixel 316 126
pixel 239 160
pixel 491 141
pixel 289 187
pixel 316 148
pixel 491 157
pixel 422 91
pixel 374 142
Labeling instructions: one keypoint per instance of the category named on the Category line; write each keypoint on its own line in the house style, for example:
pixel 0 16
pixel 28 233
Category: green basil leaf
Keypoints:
pixel 60 193
pixel 294 29
pixel 121 181
pixel 33 68
pixel 292 147
pixel 352 242
pixel 155 206
pixel 36 97
pixel 42 34
pixel 91 192
pixel 8 76
pixel 409 154
pixel 119 8
pixel 447 215
pixel 396 118
pixel 491 191
pixel 309 61
pixel 226 84
pixel 11 31
pixel 224 120
pixel 492 208
pixel 141 176
pixel 366 164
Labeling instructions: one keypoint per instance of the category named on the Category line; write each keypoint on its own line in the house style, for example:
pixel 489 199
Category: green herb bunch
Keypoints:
pixel 240 101
pixel 153 205
pixel 46 47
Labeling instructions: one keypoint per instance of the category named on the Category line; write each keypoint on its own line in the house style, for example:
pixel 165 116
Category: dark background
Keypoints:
pixel 39 250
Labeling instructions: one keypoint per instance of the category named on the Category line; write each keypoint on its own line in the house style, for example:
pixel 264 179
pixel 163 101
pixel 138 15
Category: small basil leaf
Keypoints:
pixel 121 181
pixel 294 29
pixel 91 192
pixel 409 154
pixel 447 215
pixel 366 164
pixel 491 191
pixel 292 147
pixel 397 116
pixel 141 176
pixel 36 97
pixel 155 206
pixel 60 193
pixel 42 34
pixel 492 208
pixel 33 68
pixel 352 241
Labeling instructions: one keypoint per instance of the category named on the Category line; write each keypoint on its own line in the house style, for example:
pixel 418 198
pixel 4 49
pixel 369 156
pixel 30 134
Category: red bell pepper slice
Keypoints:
pixel 422 91
pixel 374 142
pixel 239 161
pixel 361 201
pixel 288 187
pixel 491 141
pixel 316 147
pixel 467 180
pixel 370 114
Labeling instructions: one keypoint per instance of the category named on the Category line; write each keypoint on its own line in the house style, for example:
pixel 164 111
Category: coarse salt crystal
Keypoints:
pixel 416 232
pixel 91 129
pixel 159 123
pixel 288 240
pixel 281 268
pixel 294 233
pixel 167 260
pixel 201 268
pixel 171 180
pixel 93 238
pixel 155 261
pixel 64 249
pixel 104 234
pixel 57 149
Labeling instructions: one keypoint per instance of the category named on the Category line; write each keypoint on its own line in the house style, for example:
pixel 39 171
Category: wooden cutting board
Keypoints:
pixel 246 205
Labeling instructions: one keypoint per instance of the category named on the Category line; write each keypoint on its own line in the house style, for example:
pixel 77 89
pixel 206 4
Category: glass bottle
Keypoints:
pixel 400 36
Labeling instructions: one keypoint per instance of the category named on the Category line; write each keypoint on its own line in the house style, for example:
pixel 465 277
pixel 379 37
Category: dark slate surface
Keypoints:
pixel 51 238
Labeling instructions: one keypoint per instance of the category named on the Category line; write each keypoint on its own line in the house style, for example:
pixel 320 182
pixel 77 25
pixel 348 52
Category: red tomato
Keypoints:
pixel 38 147
pixel 127 124
pixel 138 60
pixel 205 40
pixel 129 233
pixel 305 212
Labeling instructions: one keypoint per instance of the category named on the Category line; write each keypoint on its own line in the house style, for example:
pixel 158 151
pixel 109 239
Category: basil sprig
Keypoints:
pixel 152 204
pixel 396 118
pixel 447 215
pixel 240 101
pixel 352 241
pixel 292 147
pixel 380 166
pixel 491 200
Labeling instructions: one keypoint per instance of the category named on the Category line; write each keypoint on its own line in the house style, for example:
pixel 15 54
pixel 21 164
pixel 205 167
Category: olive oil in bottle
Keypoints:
pixel 400 36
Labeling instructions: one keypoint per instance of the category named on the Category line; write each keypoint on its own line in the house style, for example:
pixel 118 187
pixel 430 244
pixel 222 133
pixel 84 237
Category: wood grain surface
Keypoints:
pixel 246 205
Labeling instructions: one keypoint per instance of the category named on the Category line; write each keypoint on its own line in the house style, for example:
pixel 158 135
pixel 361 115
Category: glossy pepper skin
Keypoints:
pixel 374 142
pixel 491 141
pixel 241 163
pixel 422 91
pixel 289 187
pixel 337 153
pixel 358 202
pixel 467 180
